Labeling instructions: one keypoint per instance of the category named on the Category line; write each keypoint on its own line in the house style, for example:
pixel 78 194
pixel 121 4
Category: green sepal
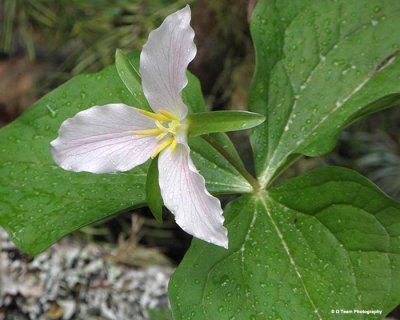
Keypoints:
pixel 131 79
pixel 222 121
pixel 153 194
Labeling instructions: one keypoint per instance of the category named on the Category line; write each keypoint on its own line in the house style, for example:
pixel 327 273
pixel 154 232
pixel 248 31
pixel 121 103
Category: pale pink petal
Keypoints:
pixel 164 60
pixel 184 193
pixel 100 140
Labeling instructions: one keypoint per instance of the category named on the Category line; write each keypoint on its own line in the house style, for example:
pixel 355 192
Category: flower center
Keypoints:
pixel 167 127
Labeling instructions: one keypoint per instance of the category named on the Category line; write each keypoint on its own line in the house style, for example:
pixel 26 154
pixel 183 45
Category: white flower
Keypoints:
pixel 117 137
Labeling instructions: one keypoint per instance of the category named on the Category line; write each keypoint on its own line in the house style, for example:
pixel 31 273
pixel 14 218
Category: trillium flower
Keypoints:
pixel 117 137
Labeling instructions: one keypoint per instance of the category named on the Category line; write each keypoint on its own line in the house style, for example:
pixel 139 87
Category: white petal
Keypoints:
pixel 164 60
pixel 100 140
pixel 184 193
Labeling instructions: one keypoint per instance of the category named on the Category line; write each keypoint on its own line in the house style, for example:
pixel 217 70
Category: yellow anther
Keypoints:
pixel 161 147
pixel 173 146
pixel 169 115
pixel 148 132
pixel 156 116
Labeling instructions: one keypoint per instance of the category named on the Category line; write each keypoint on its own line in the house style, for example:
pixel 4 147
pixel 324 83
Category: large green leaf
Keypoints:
pixel 329 240
pixel 40 203
pixel 320 66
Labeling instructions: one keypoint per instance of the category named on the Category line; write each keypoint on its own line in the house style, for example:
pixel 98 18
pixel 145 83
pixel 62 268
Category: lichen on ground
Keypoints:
pixel 75 281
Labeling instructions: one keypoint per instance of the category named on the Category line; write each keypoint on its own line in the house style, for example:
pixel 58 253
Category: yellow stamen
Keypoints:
pixel 156 116
pixel 169 115
pixel 173 126
pixel 161 136
pixel 161 147
pixel 161 127
pixel 148 132
pixel 167 128
pixel 173 146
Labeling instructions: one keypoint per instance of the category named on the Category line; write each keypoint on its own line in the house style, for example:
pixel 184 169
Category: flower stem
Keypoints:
pixel 236 164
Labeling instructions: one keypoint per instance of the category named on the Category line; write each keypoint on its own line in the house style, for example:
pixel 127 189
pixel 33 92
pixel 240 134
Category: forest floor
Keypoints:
pixel 72 280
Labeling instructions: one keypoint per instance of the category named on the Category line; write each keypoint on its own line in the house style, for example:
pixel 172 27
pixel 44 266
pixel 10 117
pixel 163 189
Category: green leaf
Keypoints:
pixel 159 314
pixel 222 121
pixel 321 65
pixel 326 240
pixel 153 193
pixel 225 180
pixel 131 79
pixel 40 202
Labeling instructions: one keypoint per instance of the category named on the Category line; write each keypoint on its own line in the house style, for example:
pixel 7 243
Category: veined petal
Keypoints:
pixel 101 140
pixel 164 60
pixel 185 195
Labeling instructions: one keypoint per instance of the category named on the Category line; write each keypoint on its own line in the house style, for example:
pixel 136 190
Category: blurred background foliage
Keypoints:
pixel 43 43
